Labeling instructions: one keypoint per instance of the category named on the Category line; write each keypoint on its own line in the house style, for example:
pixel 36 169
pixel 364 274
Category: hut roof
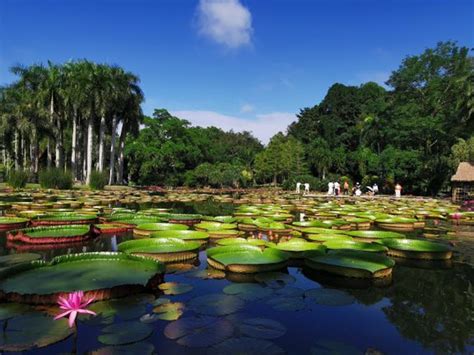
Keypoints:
pixel 464 173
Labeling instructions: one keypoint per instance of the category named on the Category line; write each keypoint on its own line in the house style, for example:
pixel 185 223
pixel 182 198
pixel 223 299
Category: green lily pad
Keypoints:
pixel 10 310
pixel 374 235
pixel 247 346
pixel 161 227
pixel 352 263
pixel 199 332
pixel 298 245
pixel 214 226
pixel 329 297
pixel 262 328
pixel 158 246
pixel 175 288
pixel 415 245
pixel 246 258
pixel 322 238
pixel 235 241
pixel 85 271
pixel 124 333
pixel 353 245
pixel 290 291
pixel 216 304
pixel 275 279
pixel 169 311
pixel 181 234
pixel 33 330
pixel 248 291
pixel 125 308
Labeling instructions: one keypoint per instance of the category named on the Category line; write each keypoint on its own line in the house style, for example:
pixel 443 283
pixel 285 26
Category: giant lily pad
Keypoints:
pixel 163 249
pixel 124 333
pixel 352 263
pixel 181 234
pixel 214 226
pixel 216 304
pixel 353 245
pixel 246 258
pixel 145 229
pixel 374 235
pixel 198 332
pixel 322 238
pixel 32 330
pixel 90 272
pixel 12 222
pixel 51 235
pixel 295 247
pixel 417 249
pixel 236 241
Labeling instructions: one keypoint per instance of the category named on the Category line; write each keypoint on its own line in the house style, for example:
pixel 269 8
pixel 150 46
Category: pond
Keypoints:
pixel 424 308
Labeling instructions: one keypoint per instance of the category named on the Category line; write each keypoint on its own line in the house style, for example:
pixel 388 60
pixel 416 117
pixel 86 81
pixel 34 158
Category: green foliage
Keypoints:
pixel 315 184
pixel 169 151
pixel 410 134
pixel 463 150
pixel 98 180
pixel 18 178
pixel 55 178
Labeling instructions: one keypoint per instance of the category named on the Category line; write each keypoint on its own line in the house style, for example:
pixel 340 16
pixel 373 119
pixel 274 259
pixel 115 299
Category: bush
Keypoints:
pixel 98 180
pixel 315 184
pixel 55 178
pixel 18 178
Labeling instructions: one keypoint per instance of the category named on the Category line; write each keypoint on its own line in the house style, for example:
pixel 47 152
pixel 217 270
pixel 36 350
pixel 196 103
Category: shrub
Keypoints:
pixel 18 178
pixel 98 180
pixel 55 178
pixel 315 184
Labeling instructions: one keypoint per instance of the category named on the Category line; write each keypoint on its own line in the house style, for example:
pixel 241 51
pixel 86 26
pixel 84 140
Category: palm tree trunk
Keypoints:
pixel 112 150
pixel 121 154
pixel 24 152
pixel 101 143
pixel 59 146
pixel 90 132
pixel 84 153
pixel 49 147
pixel 17 150
pixel 73 145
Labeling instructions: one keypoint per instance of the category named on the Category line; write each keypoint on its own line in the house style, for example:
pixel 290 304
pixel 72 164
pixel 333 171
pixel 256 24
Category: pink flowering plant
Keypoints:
pixel 74 304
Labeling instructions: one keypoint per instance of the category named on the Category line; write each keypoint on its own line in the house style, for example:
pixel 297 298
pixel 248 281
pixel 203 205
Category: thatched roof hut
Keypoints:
pixel 463 182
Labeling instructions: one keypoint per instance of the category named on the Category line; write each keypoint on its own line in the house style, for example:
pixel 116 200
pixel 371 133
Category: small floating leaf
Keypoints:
pixel 199 331
pixel 275 279
pixel 262 328
pixel 216 304
pixel 175 288
pixel 124 333
pixel 287 303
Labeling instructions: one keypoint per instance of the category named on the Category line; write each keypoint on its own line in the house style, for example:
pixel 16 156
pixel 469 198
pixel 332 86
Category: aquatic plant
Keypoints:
pixel 74 304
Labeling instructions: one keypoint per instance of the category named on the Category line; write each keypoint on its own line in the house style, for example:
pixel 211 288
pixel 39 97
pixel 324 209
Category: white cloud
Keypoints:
pixel 246 108
pixel 263 126
pixel 227 22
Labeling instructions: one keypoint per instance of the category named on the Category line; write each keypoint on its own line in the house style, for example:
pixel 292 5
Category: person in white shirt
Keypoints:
pixel 306 188
pixel 375 189
pixel 330 188
pixel 298 187
pixel 337 188
pixel 398 190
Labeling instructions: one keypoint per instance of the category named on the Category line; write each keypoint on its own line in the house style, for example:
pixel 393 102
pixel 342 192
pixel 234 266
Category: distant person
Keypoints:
pixel 337 188
pixel 330 188
pixel 306 188
pixel 375 189
pixel 298 187
pixel 398 190
pixel 358 191
pixel 346 188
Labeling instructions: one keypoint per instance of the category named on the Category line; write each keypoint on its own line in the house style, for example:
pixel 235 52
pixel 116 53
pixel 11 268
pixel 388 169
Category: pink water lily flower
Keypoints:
pixel 74 304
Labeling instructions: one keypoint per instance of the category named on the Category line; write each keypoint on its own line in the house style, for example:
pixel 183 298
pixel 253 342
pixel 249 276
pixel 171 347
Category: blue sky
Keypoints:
pixel 241 64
